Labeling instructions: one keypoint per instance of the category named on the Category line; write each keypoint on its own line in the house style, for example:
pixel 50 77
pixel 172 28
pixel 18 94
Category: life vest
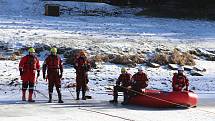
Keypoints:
pixel 82 65
pixel 180 80
pixel 140 79
pixel 29 63
pixel 53 62
pixel 125 79
pixel 81 61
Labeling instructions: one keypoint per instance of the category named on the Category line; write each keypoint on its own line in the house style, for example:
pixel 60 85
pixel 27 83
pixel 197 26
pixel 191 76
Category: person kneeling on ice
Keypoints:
pixel 54 66
pixel 123 82
pixel 28 66
pixel 180 81
pixel 82 66
pixel 139 81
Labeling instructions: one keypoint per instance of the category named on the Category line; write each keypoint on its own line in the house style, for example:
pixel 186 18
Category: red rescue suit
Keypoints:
pixel 54 66
pixel 82 66
pixel 179 82
pixel 140 80
pixel 29 64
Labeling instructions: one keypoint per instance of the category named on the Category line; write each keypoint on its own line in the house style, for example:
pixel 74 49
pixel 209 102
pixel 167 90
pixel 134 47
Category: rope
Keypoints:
pixel 90 110
pixel 70 92
pixel 127 119
pixel 35 88
pixel 41 94
pixel 206 111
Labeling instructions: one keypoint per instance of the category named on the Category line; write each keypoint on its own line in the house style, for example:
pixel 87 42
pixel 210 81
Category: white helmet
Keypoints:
pixel 181 69
pixel 140 68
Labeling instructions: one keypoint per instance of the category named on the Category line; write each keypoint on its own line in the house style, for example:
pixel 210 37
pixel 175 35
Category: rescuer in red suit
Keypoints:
pixel 28 67
pixel 180 81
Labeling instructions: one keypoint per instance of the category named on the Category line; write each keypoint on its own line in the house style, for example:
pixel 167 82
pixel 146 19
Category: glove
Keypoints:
pixel 86 67
pixel 21 72
pixel 61 75
pixel 38 74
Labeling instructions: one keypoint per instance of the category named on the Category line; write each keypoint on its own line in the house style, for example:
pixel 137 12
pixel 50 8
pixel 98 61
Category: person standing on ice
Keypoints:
pixel 82 66
pixel 123 82
pixel 139 80
pixel 28 66
pixel 54 66
pixel 180 81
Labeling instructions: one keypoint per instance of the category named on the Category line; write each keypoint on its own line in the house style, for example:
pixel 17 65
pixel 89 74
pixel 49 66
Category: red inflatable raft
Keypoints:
pixel 161 99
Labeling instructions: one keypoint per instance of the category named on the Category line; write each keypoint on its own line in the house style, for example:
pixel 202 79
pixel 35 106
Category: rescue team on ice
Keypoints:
pixel 131 86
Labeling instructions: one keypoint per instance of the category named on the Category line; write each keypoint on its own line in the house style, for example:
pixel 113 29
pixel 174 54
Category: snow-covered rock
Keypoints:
pixel 173 66
pixel 196 73
pixel 153 65
pixel 188 68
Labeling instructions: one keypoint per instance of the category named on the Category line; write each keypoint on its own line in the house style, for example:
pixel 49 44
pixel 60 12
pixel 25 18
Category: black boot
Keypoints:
pixel 77 94
pixel 114 99
pixel 60 99
pixel 59 96
pixel 50 98
pixel 125 100
pixel 30 99
pixel 23 95
pixel 115 95
pixel 83 95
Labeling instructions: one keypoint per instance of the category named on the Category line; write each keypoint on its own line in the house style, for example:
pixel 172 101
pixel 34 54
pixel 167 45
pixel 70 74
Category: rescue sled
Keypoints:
pixel 162 99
